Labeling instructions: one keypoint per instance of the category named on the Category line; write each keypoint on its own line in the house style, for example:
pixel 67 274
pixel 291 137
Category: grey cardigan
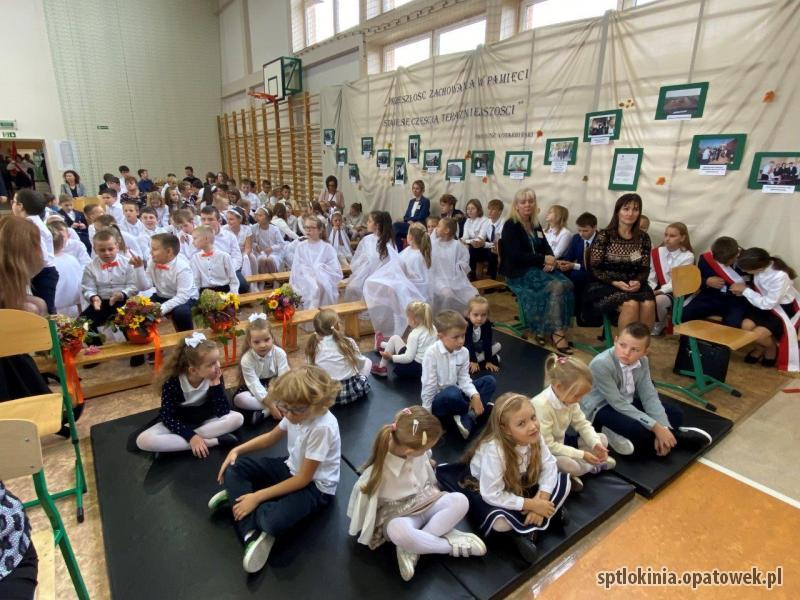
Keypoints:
pixel 607 390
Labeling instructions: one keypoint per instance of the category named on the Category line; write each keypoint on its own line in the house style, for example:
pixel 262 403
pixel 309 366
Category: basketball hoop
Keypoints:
pixel 264 96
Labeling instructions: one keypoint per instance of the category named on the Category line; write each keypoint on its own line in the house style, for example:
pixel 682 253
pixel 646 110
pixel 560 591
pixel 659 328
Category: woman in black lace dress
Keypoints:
pixel 619 263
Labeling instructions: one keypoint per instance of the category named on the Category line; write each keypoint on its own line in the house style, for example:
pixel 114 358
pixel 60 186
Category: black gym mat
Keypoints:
pixel 522 370
pixel 502 569
pixel 651 475
pixel 161 541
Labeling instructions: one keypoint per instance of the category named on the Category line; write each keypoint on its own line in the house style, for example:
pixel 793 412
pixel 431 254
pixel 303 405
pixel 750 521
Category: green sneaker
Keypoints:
pixel 218 500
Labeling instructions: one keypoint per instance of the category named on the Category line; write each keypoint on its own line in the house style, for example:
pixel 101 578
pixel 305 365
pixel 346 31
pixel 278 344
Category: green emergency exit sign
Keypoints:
pixel 8 124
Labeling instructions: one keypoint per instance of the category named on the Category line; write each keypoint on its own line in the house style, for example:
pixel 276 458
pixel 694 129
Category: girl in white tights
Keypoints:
pixel 397 497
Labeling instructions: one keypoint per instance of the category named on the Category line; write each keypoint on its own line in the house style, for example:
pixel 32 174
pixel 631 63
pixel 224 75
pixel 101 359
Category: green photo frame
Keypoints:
pixel 432 159
pixel 678 102
pixel 352 173
pixel 413 149
pixel 383 158
pixel 341 157
pixel 399 170
pixel 456 167
pixel 481 160
pixel 717 149
pixel 518 162
pixel 561 149
pixel 602 123
pixel 763 173
pixel 367 146
pixel 329 137
pixel 625 169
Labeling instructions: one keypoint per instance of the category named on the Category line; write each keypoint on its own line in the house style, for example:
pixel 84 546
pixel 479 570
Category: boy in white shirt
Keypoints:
pixel 149 219
pixel 447 389
pixel 183 226
pixel 68 290
pixel 246 187
pixel 212 268
pixel 111 203
pixel 172 277
pixel 131 224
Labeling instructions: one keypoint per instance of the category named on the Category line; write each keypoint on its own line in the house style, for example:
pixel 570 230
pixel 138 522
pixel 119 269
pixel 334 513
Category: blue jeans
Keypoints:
pixel 452 401
pixel 275 516
pixel 643 439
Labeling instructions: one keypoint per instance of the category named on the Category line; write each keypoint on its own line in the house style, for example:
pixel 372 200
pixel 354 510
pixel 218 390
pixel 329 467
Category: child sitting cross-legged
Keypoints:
pixel 407 355
pixel 510 478
pixel 261 361
pixel 270 495
pixel 447 389
pixel 557 410
pixel 624 404
pixel 195 414
pixel 398 498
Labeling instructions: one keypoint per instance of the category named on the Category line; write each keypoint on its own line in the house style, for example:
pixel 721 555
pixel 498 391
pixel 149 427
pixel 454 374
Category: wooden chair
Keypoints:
pixel 686 281
pixel 24 333
pixel 22 455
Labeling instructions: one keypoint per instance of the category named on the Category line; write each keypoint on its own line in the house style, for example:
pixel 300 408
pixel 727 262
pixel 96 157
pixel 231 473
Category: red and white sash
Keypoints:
pixel 788 351
pixel 728 274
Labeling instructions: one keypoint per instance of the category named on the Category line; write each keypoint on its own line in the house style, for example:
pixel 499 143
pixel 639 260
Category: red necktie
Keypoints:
pixel 105 266
pixel 207 254
pixel 162 267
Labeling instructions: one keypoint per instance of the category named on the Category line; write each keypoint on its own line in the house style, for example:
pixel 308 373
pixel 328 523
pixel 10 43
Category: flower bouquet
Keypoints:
pixel 138 320
pixel 282 303
pixel 217 311
pixel 72 333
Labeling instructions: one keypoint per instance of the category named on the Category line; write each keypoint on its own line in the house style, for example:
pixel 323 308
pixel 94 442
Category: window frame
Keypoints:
pixel 405 42
pixel 437 33
pixel 336 25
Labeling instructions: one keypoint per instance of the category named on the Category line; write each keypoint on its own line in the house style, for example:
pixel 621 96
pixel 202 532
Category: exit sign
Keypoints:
pixel 102 127
pixel 8 124
pixel 9 134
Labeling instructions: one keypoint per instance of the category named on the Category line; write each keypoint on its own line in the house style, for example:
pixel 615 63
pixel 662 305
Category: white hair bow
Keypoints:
pixel 195 339
pixel 256 317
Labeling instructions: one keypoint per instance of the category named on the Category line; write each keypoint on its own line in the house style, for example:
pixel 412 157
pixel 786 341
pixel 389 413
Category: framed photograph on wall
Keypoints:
pixel 482 162
pixel 775 169
pixel 432 160
pixel 328 137
pixel 399 170
pixel 413 149
pixel 341 157
pixel 367 146
pixel 382 158
pixel 518 164
pixel 352 172
pixel 625 169
pixel 561 150
pixel 679 102
pixel 455 170
pixel 602 124
pixel 717 149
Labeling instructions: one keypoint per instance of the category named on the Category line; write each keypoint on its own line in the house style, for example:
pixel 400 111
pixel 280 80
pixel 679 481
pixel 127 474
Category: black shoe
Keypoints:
pixel 750 359
pixel 227 440
pixel 91 365
pixel 769 362
pixel 137 361
pixel 561 519
pixel 692 438
pixel 257 417
pixel 525 546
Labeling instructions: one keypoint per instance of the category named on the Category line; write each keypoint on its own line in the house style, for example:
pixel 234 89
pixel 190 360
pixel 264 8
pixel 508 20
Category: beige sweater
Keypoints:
pixel 554 419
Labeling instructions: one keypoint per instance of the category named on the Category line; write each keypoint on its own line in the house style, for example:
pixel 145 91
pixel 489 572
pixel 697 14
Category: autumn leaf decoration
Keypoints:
pixel 539 133
pixel 769 96
pixel 485 179
pixel 661 180
pixel 468 155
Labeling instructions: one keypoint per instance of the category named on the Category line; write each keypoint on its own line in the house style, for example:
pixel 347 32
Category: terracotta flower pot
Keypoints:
pixel 137 336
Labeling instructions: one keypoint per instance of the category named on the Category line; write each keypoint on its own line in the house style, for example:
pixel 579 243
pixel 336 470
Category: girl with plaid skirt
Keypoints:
pixel 339 356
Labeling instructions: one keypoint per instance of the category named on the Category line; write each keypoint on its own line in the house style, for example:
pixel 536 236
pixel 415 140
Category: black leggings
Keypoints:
pixel 20 584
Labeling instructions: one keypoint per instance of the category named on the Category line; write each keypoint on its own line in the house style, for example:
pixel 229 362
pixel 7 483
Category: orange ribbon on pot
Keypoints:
pixel 156 340
pixel 71 371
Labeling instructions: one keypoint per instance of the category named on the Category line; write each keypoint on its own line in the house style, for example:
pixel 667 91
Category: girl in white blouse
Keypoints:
pixel 261 361
pixel 316 271
pixel 407 354
pixel 509 476
pixel 339 356
pixel 475 234
pixel 557 234
pixel 236 224
pixel 397 496
pixel 675 251
pixel 451 288
pixel 267 242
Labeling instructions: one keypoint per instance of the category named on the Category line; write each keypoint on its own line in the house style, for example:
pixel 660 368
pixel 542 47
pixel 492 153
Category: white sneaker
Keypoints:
pixel 218 500
pixel 620 445
pixel 461 429
pixel 694 437
pixel 465 544
pixel 256 553
pixel 407 561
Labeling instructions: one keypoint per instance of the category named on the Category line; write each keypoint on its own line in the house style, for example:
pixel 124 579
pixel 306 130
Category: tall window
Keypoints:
pixel 325 18
pixel 550 12
pixel 407 53
pixel 461 37
pixel 392 4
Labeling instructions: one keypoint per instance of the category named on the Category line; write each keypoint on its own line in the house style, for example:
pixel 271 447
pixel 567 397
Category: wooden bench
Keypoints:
pixel 280 277
pixel 483 285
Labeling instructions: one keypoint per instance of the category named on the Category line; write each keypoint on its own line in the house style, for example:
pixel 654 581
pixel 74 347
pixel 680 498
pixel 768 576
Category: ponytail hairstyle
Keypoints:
pixel 383 224
pixel 419 234
pixel 186 356
pixel 755 259
pixel 505 406
pixel 306 386
pixel 423 313
pixel 572 375
pixel 413 428
pixel 326 323
pixel 684 231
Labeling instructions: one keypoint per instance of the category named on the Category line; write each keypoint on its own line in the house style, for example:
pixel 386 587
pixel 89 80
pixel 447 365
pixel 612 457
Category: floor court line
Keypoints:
pixel 754 484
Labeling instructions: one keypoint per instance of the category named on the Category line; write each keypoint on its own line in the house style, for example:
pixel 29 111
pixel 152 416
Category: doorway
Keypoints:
pixel 30 155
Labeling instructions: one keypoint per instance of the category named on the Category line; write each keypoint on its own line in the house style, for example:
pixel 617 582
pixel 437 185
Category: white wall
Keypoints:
pixel 270 28
pixel 31 96
pixel 232 45
pixel 335 71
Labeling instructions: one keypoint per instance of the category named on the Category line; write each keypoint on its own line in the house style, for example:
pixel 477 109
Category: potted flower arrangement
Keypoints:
pixel 282 303
pixel 217 311
pixel 138 319
pixel 72 333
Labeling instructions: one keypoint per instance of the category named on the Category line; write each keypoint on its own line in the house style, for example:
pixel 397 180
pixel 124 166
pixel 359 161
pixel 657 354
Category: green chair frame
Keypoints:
pixel 608 339
pixel 20 433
